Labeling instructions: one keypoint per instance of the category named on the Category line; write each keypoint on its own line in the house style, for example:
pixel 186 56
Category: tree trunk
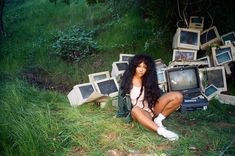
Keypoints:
pixel 1 16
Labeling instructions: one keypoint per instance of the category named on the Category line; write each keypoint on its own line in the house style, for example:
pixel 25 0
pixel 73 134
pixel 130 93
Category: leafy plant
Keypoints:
pixel 75 44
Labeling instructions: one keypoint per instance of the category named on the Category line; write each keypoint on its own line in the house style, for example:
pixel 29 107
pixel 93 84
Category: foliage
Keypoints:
pixel 75 44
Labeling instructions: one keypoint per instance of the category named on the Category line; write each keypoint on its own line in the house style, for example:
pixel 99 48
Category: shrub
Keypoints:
pixel 75 44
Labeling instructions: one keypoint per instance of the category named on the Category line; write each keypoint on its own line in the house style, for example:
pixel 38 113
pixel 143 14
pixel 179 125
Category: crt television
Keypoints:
pixel 186 39
pixel 184 79
pixel 208 37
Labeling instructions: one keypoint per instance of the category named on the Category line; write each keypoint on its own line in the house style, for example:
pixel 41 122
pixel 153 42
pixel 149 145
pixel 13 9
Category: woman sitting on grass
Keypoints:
pixel 148 107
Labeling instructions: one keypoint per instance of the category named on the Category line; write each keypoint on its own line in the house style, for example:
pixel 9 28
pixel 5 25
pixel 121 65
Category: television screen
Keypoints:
pixel 185 79
pixel 188 37
pixel 215 76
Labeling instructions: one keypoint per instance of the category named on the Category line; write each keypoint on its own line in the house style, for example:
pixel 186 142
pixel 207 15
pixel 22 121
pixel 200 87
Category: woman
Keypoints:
pixel 139 82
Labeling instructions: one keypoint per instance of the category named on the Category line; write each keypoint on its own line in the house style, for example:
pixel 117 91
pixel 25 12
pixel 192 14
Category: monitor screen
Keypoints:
pixel 208 36
pixel 107 87
pixel 100 77
pixel 185 79
pixel 196 20
pixel 122 66
pixel 215 76
pixel 210 90
pixel 229 37
pixel 86 91
pixel 188 37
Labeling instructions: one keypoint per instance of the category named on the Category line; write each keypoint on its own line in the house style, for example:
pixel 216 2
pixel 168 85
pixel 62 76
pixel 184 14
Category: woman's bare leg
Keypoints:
pixel 168 103
pixel 144 118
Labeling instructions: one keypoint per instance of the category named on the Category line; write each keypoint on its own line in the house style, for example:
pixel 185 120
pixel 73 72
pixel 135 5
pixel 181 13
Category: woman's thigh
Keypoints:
pixel 167 98
pixel 137 112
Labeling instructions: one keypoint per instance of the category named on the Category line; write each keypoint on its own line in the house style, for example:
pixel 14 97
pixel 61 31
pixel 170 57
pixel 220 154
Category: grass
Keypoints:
pixel 36 121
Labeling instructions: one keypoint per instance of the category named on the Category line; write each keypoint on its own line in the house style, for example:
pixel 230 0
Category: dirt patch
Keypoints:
pixel 41 78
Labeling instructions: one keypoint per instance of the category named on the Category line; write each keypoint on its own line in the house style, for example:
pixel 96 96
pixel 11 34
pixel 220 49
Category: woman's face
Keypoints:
pixel 141 69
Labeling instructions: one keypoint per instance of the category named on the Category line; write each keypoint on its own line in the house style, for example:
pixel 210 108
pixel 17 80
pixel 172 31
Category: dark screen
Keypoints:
pixel 107 87
pixel 126 58
pixel 214 77
pixel 230 37
pixel 86 91
pixel 187 37
pixel 100 77
pixel 196 20
pixel 122 66
pixel 207 36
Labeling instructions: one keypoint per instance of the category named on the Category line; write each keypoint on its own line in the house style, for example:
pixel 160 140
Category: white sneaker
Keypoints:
pixel 167 134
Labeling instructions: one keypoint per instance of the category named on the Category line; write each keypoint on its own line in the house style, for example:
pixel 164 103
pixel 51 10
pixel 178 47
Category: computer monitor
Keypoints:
pixel 196 22
pixel 118 68
pixel 208 37
pixel 161 77
pixel 210 92
pixel 213 75
pixel 186 39
pixel 73 98
pixel 205 59
pixel 228 37
pixel 107 86
pixel 183 79
pixel 222 54
pixel 184 55
pixel 125 57
pixel 83 91
pixel 98 76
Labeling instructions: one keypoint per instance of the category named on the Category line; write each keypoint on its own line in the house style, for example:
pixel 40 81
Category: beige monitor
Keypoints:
pixel 98 76
pixel 208 37
pixel 186 39
pixel 108 86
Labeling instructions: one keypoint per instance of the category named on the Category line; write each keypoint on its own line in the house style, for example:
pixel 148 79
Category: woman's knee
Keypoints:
pixel 179 97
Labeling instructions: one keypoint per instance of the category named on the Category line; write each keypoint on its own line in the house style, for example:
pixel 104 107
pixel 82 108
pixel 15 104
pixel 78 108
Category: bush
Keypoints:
pixel 75 44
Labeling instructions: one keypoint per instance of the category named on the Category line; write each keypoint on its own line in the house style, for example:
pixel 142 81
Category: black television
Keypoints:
pixel 184 79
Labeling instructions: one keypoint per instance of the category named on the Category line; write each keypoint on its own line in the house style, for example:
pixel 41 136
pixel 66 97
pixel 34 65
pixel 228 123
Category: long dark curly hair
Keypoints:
pixel 149 80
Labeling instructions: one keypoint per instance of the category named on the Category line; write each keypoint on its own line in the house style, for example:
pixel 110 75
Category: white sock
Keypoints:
pixel 158 120
pixel 167 134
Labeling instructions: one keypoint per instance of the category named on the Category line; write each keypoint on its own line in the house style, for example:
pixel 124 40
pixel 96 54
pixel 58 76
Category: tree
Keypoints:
pixel 1 16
